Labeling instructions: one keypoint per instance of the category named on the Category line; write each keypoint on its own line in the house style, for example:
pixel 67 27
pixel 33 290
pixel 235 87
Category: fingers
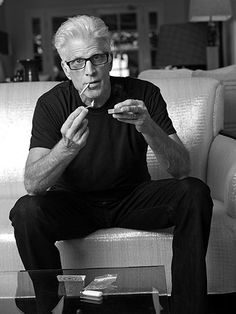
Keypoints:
pixel 128 118
pixel 80 111
pixel 130 105
pixel 132 111
pixel 129 110
pixel 82 138
pixel 75 128
pixel 76 125
pixel 77 136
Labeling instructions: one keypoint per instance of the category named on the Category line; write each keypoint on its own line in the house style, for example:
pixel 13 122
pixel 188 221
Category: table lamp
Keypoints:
pixel 211 11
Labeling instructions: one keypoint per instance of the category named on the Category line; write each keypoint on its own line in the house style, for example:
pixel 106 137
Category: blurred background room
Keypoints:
pixel 155 34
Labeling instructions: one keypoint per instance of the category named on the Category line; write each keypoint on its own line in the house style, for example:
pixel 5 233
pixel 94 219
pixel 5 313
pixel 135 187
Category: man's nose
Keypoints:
pixel 89 68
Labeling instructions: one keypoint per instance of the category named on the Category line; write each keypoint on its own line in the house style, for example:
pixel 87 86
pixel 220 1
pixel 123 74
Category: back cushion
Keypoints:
pixel 17 103
pixel 227 76
pixel 195 106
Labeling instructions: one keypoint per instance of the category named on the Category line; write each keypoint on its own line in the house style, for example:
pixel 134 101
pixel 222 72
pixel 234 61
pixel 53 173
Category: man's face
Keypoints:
pixel 97 76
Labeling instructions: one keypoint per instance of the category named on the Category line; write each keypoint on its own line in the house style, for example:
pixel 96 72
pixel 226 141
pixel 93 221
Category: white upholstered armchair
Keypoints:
pixel 196 108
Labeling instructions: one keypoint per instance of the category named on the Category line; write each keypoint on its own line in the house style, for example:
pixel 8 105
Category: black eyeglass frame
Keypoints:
pixel 107 54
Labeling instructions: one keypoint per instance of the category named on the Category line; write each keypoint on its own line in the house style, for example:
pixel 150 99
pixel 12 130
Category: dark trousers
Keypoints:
pixel 39 221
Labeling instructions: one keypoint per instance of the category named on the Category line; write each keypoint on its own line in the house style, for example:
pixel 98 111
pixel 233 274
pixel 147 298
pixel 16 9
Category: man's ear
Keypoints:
pixel 66 69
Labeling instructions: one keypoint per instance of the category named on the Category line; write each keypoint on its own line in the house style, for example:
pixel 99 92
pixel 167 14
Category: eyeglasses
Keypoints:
pixel 80 63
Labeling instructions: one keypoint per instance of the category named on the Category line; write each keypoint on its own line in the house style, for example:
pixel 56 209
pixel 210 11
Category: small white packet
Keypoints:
pixel 102 282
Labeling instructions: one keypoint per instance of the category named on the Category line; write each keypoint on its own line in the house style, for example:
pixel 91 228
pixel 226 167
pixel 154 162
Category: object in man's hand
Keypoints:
pixel 129 115
pixel 114 111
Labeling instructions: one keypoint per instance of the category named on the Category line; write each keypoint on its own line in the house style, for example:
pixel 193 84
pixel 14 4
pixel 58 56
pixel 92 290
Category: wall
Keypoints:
pixel 3 58
pixel 231 26
pixel 2 18
pixel 175 11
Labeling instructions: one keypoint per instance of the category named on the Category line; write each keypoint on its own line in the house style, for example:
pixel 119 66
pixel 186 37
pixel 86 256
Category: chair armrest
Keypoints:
pixel 221 173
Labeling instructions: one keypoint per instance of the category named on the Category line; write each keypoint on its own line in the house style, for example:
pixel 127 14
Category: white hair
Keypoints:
pixel 81 27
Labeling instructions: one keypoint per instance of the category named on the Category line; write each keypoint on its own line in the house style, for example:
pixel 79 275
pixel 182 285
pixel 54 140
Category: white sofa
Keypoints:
pixel 196 108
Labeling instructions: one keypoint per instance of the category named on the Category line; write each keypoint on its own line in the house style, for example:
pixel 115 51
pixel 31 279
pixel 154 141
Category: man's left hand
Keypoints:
pixel 133 111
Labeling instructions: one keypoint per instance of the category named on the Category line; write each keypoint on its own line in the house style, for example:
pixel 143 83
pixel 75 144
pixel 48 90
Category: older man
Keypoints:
pixel 86 167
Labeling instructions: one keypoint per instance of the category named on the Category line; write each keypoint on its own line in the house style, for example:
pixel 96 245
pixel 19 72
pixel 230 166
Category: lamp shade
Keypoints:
pixel 209 10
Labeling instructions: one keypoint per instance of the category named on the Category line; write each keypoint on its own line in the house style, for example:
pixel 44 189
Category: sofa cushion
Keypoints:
pixel 224 74
pixel 17 103
pixel 227 76
pixel 165 73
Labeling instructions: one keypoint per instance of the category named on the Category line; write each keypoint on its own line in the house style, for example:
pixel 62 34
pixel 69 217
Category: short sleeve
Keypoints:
pixel 45 126
pixel 158 110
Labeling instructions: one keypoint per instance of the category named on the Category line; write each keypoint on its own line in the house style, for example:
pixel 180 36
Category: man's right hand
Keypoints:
pixel 44 166
pixel 75 129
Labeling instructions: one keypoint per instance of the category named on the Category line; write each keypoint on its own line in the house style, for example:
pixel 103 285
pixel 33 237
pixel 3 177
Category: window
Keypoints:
pixel 124 29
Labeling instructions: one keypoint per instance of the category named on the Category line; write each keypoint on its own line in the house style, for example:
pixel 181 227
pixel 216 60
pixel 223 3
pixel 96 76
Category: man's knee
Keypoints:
pixel 195 187
pixel 197 192
pixel 25 210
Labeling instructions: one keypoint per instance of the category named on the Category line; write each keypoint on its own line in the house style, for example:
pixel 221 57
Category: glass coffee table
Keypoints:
pixel 124 290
